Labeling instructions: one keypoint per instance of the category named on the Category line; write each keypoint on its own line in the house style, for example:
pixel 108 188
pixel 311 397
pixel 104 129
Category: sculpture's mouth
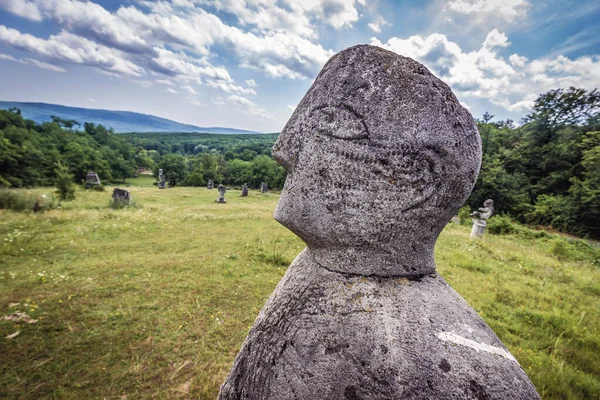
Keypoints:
pixel 365 173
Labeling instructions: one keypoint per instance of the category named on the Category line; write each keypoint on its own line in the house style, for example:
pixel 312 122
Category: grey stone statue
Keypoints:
pixel 245 190
pixel 210 184
pixel 480 219
pixel 92 179
pixel 121 196
pixel 222 189
pixel 263 187
pixel 484 212
pixel 380 155
pixel 161 179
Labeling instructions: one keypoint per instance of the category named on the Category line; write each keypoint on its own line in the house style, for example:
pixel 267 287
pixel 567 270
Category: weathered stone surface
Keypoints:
pixel 121 195
pixel 210 184
pixel 161 179
pixel 329 335
pixel 92 179
pixel 221 199
pixel 379 155
pixel 245 190
pixel 264 188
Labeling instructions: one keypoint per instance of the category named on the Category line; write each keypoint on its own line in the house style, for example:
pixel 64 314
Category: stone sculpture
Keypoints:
pixel 480 218
pixel 245 190
pixel 92 179
pixel 161 179
pixel 380 155
pixel 210 184
pixel 222 189
pixel 121 196
pixel 484 212
pixel 264 188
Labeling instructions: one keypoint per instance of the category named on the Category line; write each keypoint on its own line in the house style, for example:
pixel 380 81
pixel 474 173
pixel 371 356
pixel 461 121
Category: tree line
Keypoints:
pixel 544 172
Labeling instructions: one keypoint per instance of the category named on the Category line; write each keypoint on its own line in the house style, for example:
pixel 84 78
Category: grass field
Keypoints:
pixel 155 300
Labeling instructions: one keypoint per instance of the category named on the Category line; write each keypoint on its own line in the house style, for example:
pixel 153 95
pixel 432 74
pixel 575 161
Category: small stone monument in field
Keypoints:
pixel 222 189
pixel 122 196
pixel 92 179
pixel 245 190
pixel 380 155
pixel 264 188
pixel 161 179
pixel 210 184
pixel 480 217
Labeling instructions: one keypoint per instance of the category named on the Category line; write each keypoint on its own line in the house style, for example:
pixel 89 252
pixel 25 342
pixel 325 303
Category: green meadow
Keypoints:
pixel 154 300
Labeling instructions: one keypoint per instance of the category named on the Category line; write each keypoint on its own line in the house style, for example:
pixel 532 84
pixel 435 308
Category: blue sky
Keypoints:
pixel 247 63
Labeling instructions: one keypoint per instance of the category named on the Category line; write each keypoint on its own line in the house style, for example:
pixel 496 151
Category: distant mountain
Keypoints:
pixel 120 121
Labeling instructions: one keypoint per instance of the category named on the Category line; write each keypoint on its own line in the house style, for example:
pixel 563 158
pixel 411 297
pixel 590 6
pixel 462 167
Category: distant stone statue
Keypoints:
pixel 484 212
pixel 210 184
pixel 361 313
pixel 480 219
pixel 122 196
pixel 245 190
pixel 264 188
pixel 161 179
pixel 92 179
pixel 222 189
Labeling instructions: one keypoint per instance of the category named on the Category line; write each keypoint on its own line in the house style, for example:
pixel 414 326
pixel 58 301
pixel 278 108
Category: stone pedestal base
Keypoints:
pixel 220 201
pixel 478 228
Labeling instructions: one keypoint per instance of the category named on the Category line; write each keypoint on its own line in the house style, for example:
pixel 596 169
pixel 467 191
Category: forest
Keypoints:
pixel 541 172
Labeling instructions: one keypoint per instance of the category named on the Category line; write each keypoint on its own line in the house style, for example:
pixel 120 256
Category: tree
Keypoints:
pixel 64 182
pixel 174 167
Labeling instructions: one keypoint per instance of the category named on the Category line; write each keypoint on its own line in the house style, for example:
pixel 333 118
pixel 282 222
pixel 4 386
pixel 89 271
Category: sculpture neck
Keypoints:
pixel 375 262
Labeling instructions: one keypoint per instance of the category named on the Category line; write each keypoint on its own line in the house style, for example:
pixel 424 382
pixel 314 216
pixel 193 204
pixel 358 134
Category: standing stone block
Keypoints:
pixel 221 199
pixel 264 188
pixel 210 184
pixel 92 179
pixel 245 190
pixel 122 196
pixel 380 155
pixel 161 179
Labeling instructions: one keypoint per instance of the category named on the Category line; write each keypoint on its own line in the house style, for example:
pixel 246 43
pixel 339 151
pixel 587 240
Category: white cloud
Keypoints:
pixel 189 89
pixel 164 82
pixel 495 39
pixel 249 107
pixel 229 87
pixel 44 65
pixel 31 61
pixel 177 38
pixel 250 83
pixel 23 8
pixel 506 10
pixel 485 74
pixel 171 90
pixel 91 100
pixel 71 48
pixel 377 24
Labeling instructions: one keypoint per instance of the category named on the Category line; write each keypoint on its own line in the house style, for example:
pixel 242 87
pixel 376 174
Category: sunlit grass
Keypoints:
pixel 156 300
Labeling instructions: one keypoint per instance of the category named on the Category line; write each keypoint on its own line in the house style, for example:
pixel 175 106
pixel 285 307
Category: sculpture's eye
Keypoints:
pixel 340 122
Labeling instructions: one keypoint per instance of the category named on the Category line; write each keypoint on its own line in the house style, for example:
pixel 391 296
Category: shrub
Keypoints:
pixel 16 200
pixel 501 225
pixel 64 182
pixel 561 249
pixel 464 214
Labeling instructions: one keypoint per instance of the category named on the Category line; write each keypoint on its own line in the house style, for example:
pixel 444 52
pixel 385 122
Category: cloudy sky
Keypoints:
pixel 247 63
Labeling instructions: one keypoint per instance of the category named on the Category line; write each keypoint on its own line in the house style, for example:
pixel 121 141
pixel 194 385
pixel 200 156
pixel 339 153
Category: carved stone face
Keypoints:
pixel 380 155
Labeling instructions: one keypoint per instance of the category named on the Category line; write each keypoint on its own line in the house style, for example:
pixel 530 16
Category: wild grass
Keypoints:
pixel 156 301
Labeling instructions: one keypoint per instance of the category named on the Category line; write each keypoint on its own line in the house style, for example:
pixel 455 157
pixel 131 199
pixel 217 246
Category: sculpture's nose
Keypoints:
pixel 283 153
